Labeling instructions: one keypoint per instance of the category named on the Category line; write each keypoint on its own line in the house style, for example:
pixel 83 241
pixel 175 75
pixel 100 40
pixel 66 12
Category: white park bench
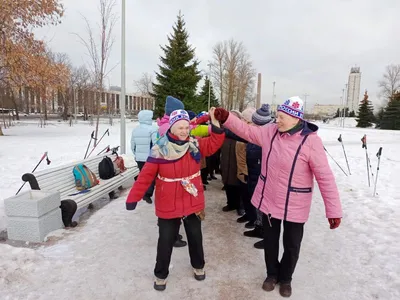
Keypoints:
pixel 33 214
pixel 62 179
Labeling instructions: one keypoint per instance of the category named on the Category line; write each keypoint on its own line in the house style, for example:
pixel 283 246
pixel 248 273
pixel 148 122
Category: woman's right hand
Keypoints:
pixel 211 113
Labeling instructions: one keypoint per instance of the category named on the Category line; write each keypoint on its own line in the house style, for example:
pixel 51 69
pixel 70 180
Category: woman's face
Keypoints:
pixel 181 129
pixel 285 122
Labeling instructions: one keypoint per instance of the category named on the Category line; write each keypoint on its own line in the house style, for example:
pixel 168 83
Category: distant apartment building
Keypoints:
pixel 325 109
pixel 353 89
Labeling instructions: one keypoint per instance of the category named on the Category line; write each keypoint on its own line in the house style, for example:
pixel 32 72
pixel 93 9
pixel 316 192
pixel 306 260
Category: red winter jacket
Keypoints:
pixel 171 199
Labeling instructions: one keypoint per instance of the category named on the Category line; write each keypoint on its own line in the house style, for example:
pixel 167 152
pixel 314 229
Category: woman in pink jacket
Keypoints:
pixel 292 155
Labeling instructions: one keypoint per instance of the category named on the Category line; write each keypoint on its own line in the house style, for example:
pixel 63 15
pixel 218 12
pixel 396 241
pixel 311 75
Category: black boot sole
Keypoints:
pixel 160 288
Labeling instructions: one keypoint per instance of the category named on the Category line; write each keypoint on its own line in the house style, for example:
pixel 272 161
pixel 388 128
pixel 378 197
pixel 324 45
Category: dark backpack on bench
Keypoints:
pixel 106 168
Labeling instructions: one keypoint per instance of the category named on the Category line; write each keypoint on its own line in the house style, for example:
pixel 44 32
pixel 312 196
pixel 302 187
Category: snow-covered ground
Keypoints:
pixel 112 254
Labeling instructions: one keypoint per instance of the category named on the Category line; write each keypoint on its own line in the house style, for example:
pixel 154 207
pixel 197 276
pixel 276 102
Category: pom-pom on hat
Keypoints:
pixel 262 115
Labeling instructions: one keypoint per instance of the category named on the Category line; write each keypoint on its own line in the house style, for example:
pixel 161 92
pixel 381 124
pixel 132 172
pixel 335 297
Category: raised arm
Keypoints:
pixel 253 134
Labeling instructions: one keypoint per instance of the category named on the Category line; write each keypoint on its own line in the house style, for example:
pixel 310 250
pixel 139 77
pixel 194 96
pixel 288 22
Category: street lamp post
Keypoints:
pixel 346 101
pixel 273 96
pixel 209 87
pixel 122 95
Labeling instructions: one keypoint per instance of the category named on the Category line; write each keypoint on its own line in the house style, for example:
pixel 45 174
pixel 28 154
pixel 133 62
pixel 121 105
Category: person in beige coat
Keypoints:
pixel 242 174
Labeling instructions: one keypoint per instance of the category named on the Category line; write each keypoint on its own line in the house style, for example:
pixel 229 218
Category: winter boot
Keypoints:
pixel 199 274
pixel 269 284
pixel 255 233
pixel 160 284
pixel 242 219
pixel 179 243
pixel 240 212
pixel 285 290
pixel 227 208
pixel 259 245
pixel 148 199
pixel 250 225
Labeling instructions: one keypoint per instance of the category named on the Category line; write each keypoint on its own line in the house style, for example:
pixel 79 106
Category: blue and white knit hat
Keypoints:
pixel 262 115
pixel 293 107
pixel 178 115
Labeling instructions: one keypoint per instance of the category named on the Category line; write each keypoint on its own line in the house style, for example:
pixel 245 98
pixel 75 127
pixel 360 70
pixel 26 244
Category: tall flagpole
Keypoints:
pixel 122 95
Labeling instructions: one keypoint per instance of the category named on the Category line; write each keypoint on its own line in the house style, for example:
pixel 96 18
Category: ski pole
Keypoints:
pixel 377 168
pixel 344 151
pixel 106 132
pixel 335 161
pixel 34 169
pixel 106 149
pixel 369 167
pixel 90 141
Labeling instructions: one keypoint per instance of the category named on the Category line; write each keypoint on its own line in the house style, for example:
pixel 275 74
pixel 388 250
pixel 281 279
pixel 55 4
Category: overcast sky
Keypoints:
pixel 305 46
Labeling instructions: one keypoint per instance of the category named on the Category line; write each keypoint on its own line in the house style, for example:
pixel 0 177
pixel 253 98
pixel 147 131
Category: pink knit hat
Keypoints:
pixel 248 113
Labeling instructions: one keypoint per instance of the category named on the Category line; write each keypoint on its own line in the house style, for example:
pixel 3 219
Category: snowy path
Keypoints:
pixel 112 257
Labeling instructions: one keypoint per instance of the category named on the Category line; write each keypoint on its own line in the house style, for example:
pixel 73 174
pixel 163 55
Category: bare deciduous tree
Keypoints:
pixel 233 74
pixel 63 92
pixel 81 81
pixel 390 84
pixel 99 54
pixel 145 84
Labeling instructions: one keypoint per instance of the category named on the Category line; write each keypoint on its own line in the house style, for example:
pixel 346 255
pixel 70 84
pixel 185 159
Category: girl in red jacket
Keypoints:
pixel 175 162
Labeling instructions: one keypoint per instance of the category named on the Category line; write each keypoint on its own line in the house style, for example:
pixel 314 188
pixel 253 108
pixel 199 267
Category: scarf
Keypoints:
pixel 168 149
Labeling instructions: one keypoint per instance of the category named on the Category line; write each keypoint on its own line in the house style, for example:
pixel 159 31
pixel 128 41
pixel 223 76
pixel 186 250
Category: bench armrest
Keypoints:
pixel 28 177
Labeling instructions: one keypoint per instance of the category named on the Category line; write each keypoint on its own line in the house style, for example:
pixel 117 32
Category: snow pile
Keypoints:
pixel 16 265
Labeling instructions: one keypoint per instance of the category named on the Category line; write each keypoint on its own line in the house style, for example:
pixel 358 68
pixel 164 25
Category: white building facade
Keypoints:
pixel 353 89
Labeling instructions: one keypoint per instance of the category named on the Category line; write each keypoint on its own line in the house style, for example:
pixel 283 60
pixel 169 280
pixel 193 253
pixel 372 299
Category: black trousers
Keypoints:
pixel 150 190
pixel 292 237
pixel 168 229
pixel 233 195
pixel 212 164
pixel 204 174
pixel 249 209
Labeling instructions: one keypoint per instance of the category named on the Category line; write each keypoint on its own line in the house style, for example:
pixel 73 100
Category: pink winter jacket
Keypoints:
pixel 289 163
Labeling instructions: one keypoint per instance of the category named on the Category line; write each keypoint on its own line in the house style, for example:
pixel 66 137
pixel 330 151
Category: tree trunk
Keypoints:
pixel 15 104
pixel 1 131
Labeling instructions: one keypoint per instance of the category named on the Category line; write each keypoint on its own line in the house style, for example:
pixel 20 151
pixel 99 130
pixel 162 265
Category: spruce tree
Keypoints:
pixel 379 117
pixel 202 103
pixel 365 113
pixel 391 114
pixel 178 75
